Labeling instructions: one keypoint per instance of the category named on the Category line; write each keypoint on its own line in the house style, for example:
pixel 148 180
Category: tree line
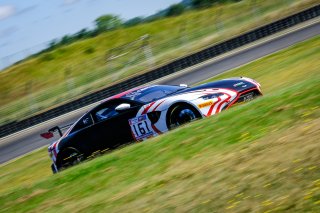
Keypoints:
pixel 111 22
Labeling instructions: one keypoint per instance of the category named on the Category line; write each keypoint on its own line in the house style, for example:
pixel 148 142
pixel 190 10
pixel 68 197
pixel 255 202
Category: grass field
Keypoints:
pixel 259 157
pixel 42 82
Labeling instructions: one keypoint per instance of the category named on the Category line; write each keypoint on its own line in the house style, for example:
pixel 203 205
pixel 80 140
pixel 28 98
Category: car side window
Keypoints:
pixel 85 121
pixel 105 113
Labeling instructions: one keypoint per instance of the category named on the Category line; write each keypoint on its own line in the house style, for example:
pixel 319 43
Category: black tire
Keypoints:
pixel 69 157
pixel 181 114
pixel 53 168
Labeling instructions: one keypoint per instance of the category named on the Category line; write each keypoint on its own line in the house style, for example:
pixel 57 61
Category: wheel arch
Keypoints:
pixel 182 103
pixel 62 153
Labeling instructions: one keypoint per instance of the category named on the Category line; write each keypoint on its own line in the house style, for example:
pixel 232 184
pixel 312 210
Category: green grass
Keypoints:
pixel 282 69
pixel 261 156
pixel 43 82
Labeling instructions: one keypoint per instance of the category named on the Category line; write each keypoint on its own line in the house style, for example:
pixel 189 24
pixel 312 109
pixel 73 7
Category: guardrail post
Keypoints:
pixel 255 9
pixel 69 81
pixel 218 20
pixel 147 50
pixel 183 34
pixel 32 102
pixel 109 62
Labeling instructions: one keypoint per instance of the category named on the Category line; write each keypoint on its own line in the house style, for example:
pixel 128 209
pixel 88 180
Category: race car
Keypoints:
pixel 142 113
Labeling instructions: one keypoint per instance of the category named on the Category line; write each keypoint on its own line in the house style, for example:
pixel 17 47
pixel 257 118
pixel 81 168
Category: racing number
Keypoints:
pixel 141 128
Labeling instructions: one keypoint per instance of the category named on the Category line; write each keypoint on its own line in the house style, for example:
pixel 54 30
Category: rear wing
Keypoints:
pixel 50 133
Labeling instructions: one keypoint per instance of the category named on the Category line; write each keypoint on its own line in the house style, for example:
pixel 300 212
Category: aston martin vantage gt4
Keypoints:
pixel 144 112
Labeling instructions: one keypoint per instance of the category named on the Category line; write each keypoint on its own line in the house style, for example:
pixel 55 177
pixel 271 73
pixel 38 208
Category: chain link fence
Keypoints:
pixel 120 65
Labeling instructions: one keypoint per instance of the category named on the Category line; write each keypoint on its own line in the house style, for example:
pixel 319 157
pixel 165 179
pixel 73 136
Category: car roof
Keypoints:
pixel 120 95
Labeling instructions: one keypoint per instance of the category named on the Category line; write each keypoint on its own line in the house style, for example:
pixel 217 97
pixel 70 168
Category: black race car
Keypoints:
pixel 144 112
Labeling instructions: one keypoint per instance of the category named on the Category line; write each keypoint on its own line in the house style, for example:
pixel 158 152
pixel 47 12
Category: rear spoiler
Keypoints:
pixel 50 133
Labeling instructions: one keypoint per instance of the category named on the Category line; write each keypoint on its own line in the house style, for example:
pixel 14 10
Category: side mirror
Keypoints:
pixel 122 107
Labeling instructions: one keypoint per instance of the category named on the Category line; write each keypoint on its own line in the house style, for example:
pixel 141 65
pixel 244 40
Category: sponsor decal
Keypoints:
pixel 248 97
pixel 137 119
pixel 205 104
pixel 239 84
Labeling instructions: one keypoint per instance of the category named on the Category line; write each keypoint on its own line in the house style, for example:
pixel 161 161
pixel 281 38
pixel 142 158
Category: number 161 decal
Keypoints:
pixel 140 127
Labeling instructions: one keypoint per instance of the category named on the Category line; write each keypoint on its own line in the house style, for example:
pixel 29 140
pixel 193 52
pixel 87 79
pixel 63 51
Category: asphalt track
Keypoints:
pixel 26 141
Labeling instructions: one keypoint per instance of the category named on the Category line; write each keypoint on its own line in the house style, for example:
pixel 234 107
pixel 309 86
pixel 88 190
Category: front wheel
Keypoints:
pixel 182 114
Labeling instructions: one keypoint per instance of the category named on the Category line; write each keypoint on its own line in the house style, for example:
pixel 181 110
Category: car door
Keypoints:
pixel 112 127
pixel 81 136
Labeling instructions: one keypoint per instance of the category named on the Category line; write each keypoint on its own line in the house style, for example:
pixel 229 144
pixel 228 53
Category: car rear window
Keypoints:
pixel 85 121
pixel 152 93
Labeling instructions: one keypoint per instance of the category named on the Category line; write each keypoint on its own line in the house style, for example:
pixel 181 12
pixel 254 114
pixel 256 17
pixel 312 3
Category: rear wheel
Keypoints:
pixel 181 114
pixel 54 169
pixel 69 157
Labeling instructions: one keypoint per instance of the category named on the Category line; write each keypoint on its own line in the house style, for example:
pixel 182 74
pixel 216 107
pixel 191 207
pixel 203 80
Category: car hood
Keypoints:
pixel 238 84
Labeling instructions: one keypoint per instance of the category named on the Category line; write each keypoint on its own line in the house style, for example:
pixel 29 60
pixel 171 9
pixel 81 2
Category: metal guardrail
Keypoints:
pixel 175 66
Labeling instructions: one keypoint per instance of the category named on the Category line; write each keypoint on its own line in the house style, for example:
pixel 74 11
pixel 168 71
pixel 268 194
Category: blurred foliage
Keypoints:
pixel 175 10
pixel 198 4
pixel 134 21
pixel 107 23
pixel 90 50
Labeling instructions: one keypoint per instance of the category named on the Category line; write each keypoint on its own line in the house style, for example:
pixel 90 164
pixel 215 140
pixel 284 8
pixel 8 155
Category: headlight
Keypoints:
pixel 211 96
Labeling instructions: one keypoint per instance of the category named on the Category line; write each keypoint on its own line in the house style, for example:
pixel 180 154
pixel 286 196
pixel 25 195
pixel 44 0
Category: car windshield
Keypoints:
pixel 149 94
